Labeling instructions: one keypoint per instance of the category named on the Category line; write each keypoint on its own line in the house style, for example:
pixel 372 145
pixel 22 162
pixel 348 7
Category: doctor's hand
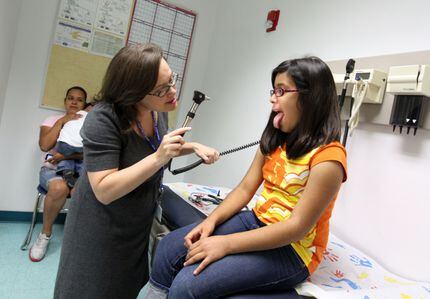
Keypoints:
pixel 207 250
pixel 208 154
pixel 171 145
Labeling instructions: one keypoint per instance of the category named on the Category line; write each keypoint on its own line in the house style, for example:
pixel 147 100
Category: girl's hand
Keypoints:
pixel 208 154
pixel 171 145
pixel 201 231
pixel 207 250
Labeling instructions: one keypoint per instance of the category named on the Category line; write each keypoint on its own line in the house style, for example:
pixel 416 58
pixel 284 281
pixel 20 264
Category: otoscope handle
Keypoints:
pixel 349 69
pixel 342 98
pixel 188 167
pixel 198 98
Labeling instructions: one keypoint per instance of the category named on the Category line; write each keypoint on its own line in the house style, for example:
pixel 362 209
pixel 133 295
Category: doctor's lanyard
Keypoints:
pixel 154 147
pixel 151 144
pixel 154 121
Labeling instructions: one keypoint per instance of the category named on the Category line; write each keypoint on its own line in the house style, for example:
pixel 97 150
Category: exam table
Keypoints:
pixel 345 272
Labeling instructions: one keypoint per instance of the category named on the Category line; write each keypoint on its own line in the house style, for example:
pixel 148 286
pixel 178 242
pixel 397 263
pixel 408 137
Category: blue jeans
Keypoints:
pixel 47 175
pixel 67 150
pixel 275 269
pixel 75 165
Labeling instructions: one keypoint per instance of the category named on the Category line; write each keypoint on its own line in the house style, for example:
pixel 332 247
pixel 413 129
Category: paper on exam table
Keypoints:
pixel 345 272
pixel 185 189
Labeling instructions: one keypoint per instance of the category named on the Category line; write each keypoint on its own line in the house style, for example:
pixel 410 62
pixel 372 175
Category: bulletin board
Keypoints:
pixel 89 33
pixel 67 68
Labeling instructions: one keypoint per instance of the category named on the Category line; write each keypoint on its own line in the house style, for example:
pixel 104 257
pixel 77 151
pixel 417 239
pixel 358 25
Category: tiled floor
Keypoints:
pixel 21 278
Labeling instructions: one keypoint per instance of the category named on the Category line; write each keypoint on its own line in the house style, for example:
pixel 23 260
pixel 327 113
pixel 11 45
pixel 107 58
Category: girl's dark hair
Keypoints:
pixel 131 75
pixel 319 123
pixel 78 88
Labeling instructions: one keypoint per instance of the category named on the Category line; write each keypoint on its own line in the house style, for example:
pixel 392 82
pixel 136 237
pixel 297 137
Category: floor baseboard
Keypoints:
pixel 13 216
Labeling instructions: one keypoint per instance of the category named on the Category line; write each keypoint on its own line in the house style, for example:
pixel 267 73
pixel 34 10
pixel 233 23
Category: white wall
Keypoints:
pixel 19 127
pixel 383 207
pixel 9 11
pixel 196 67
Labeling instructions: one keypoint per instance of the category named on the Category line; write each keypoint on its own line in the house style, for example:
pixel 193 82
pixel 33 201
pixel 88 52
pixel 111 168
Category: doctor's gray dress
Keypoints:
pixel 104 251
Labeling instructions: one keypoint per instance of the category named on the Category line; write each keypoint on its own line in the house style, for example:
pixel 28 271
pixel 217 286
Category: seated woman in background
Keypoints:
pixel 55 185
pixel 281 241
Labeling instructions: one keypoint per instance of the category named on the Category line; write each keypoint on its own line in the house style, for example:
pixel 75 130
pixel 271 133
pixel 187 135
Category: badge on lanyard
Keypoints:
pixel 158 212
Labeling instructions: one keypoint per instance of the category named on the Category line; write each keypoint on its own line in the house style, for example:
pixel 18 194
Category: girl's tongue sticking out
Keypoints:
pixel 277 120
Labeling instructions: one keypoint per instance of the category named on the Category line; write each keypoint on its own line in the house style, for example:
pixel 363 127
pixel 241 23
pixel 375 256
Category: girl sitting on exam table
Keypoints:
pixel 281 241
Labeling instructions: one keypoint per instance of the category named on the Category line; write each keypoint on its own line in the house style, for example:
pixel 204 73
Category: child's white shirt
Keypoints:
pixel 70 133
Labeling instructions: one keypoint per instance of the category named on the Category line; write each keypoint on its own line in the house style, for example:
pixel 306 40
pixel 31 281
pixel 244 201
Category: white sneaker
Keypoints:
pixel 38 250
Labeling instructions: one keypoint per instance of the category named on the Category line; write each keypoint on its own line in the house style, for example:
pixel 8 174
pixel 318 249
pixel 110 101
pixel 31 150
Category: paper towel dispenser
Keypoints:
pixel 409 80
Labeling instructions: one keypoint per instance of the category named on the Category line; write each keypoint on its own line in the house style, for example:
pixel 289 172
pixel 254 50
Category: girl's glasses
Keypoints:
pixel 279 91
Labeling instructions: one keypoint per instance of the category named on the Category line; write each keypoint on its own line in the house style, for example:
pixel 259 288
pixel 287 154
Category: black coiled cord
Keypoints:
pixel 197 163
pixel 239 148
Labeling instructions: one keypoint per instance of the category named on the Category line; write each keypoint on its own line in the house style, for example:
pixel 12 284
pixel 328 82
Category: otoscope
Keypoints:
pixel 349 69
pixel 198 98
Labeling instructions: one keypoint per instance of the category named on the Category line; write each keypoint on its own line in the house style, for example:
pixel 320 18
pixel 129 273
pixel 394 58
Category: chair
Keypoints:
pixel 38 208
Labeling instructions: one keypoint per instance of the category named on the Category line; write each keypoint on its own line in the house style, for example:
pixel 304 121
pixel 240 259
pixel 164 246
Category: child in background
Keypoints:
pixel 69 143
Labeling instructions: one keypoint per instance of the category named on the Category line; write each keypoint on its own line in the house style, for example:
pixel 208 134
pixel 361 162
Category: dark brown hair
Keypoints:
pixel 78 88
pixel 131 75
pixel 320 120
